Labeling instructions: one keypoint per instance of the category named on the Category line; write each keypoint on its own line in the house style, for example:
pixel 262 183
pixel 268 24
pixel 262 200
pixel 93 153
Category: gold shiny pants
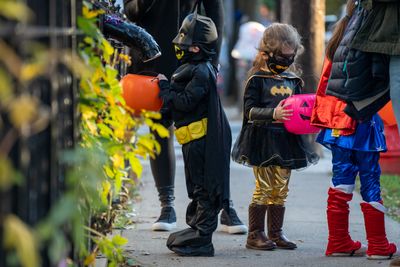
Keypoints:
pixel 272 185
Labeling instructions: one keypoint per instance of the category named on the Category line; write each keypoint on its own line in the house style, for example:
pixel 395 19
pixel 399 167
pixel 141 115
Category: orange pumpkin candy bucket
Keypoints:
pixel 387 114
pixel 141 92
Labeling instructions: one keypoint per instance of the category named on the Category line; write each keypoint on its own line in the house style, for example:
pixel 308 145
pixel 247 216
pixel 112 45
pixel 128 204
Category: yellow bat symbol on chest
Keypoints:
pixel 281 90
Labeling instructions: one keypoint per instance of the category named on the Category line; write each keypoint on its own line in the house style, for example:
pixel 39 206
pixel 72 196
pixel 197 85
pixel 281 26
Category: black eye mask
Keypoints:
pixel 278 64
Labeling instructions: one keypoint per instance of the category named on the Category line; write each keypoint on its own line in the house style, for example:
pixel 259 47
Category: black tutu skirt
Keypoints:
pixel 270 144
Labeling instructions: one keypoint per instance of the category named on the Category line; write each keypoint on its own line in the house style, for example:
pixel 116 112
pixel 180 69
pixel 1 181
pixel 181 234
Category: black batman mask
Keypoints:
pixel 182 53
pixel 196 30
pixel 278 64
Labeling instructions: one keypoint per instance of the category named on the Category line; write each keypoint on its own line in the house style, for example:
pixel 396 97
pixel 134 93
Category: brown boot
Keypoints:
pixel 275 221
pixel 256 238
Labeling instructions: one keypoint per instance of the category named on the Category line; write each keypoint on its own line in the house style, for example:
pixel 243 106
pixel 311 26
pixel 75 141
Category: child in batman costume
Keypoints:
pixel 150 14
pixel 203 131
pixel 263 143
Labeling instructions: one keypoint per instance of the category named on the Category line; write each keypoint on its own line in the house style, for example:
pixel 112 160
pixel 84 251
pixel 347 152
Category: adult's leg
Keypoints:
pixel 163 170
pixel 394 70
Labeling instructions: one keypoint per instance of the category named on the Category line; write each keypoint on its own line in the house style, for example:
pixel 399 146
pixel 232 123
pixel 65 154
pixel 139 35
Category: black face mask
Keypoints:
pixel 278 64
pixel 182 53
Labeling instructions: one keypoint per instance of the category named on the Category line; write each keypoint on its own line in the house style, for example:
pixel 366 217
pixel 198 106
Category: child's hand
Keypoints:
pixel 282 114
pixel 161 77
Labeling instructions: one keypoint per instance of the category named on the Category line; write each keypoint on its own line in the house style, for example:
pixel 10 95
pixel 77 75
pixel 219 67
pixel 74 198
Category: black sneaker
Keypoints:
pixel 166 221
pixel 231 223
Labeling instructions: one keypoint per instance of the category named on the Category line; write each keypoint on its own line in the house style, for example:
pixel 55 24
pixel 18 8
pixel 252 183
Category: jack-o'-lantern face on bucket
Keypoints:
pixel 299 122
pixel 305 110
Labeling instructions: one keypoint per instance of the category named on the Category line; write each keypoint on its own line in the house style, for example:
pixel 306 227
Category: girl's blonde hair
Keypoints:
pixel 275 37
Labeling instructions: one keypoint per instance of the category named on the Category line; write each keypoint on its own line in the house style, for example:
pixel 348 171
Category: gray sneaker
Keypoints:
pixel 230 223
pixel 166 221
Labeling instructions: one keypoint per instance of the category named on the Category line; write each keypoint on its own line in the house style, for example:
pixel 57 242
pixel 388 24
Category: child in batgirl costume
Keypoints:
pixel 263 143
pixel 203 131
pixel 355 147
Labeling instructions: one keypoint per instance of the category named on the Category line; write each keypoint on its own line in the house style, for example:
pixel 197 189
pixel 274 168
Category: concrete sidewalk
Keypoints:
pixel 305 223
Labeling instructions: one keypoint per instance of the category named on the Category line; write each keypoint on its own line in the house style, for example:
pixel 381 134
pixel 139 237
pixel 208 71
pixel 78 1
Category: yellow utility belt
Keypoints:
pixel 193 131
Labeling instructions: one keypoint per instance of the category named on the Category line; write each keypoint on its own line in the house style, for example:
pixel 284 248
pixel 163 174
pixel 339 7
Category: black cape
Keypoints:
pixel 218 147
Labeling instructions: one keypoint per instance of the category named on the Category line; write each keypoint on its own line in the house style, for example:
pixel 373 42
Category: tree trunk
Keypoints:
pixel 311 27
pixel 307 16
pixel 249 8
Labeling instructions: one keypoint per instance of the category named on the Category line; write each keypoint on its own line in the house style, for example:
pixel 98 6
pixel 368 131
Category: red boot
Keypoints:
pixel 339 240
pixel 378 245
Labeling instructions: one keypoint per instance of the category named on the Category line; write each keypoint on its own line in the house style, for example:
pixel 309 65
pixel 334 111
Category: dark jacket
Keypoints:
pixel 381 31
pixel 359 78
pixel 189 90
pixel 357 75
pixel 162 19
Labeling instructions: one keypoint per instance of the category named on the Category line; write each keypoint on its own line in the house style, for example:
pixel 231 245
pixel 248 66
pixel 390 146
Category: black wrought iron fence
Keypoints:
pixel 37 155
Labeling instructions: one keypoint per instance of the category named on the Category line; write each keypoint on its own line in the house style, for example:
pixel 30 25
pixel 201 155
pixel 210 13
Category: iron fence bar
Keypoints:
pixel 38 156
pixel 33 32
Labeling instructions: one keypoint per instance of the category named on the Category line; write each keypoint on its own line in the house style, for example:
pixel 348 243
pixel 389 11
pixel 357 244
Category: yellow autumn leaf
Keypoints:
pixel 125 58
pixel 110 173
pixel 119 133
pixel 88 40
pixel 87 112
pixel 149 122
pixel 108 50
pixel 110 99
pixel 105 130
pixel 84 85
pixel 148 145
pixel 30 71
pixel 152 115
pixel 23 110
pixel 6 173
pixel 16 11
pixel 18 237
pixel 118 161
pixel 96 89
pixel 92 126
pixel 146 142
pixel 140 151
pixel 157 147
pixel 12 62
pixel 119 240
pixel 118 182
pixel 161 130
pixel 105 192
pixel 97 75
pixel 89 14
pixel 5 86
pixel 90 260
pixel 136 166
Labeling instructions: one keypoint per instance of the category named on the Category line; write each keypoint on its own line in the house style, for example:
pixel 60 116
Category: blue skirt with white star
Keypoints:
pixel 369 136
